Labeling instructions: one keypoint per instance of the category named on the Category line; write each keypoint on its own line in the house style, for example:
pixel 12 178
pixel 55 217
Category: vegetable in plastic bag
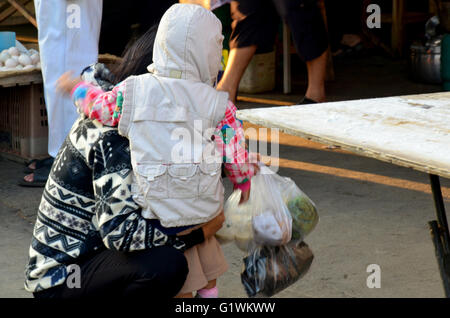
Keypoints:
pixel 247 224
pixel 263 220
pixel 302 208
pixel 270 269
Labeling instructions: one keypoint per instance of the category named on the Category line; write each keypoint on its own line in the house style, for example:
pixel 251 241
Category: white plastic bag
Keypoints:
pixel 263 220
pixel 302 209
pixel 238 223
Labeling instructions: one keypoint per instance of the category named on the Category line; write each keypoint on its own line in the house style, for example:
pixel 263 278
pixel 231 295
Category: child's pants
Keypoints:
pixel 206 262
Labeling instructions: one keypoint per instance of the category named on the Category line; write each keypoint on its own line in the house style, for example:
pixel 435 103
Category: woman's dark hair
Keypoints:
pixel 135 58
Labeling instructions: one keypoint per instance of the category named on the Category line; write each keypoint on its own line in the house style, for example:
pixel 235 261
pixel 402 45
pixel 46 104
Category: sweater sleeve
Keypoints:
pixel 118 217
pixel 230 140
pixel 97 104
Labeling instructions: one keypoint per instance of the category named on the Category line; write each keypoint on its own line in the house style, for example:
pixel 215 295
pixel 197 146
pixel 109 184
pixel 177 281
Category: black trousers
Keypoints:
pixel 156 273
pixel 255 22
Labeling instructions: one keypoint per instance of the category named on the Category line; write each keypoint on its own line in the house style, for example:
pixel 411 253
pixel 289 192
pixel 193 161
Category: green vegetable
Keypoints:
pixel 304 216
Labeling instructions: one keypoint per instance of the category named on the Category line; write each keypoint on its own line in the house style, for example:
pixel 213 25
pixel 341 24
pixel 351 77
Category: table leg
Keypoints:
pixel 440 234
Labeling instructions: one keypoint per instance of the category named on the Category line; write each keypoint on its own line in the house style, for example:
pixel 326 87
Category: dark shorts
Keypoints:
pixel 256 22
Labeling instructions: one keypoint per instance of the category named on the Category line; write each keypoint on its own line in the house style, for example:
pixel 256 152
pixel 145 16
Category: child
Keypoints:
pixel 178 191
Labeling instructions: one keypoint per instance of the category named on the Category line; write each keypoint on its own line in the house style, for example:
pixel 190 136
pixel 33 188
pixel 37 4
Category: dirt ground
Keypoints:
pixel 370 212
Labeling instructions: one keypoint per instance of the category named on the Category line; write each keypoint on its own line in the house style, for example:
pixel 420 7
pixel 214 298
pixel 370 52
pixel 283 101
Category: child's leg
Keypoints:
pixel 211 284
pixel 209 291
pixel 195 278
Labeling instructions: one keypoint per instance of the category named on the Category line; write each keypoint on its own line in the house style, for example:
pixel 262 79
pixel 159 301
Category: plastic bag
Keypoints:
pixel 302 209
pixel 263 220
pixel 247 224
pixel 238 223
pixel 270 269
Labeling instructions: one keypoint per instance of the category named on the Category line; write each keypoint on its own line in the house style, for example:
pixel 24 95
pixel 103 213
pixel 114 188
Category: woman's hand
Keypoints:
pixel 67 82
pixel 210 228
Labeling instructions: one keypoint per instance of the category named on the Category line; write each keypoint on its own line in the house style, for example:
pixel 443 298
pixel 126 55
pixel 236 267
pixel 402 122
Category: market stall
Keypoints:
pixel 409 131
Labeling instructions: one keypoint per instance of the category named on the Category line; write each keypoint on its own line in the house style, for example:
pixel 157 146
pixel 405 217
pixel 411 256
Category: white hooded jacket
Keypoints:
pixel 169 116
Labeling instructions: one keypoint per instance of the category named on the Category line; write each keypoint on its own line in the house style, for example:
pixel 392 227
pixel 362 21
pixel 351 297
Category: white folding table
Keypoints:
pixel 411 131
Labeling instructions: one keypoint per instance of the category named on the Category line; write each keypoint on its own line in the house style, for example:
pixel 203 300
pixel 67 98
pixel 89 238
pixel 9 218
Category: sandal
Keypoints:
pixel 40 177
pixel 40 163
pixel 305 101
pixel 346 51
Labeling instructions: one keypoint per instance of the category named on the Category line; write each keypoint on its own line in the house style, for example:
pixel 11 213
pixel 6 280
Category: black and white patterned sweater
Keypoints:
pixel 87 206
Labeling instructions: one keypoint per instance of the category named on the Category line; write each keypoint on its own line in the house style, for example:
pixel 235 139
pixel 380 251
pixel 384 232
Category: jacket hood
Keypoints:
pixel 188 44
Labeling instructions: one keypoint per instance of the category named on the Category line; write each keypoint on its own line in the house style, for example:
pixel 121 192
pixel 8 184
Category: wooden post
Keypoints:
pixel 398 8
pixel 10 10
pixel 19 7
pixel 286 59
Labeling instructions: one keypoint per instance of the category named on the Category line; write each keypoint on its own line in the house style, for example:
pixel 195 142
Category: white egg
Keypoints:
pixel 35 58
pixel 38 65
pixel 11 63
pixel 13 51
pixel 28 67
pixel 19 67
pixel 24 59
pixel 4 56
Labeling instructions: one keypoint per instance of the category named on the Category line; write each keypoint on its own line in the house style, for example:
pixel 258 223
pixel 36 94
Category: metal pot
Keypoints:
pixel 425 61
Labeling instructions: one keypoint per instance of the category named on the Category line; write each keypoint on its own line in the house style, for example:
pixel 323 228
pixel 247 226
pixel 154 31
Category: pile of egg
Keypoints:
pixel 13 59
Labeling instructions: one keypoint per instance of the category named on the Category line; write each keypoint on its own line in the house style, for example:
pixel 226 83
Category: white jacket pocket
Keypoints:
pixel 183 181
pixel 152 180
pixel 210 178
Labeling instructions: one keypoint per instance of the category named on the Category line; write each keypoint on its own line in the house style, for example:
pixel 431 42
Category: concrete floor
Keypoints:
pixel 377 220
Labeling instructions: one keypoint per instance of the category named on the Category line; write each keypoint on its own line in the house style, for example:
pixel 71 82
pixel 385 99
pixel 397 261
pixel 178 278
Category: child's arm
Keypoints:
pixel 97 104
pixel 230 140
pixel 92 100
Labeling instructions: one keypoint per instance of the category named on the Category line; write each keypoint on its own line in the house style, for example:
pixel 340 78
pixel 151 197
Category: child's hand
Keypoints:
pixel 67 82
pixel 255 159
pixel 245 195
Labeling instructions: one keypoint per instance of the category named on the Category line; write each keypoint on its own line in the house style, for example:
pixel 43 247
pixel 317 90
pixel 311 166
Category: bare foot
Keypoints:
pixel 317 95
pixel 29 177
pixel 351 39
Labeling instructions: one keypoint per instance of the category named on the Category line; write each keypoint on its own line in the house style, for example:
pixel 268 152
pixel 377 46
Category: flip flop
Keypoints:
pixel 40 163
pixel 305 101
pixel 39 178
pixel 346 51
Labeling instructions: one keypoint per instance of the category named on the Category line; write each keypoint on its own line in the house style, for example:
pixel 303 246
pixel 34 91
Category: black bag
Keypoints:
pixel 270 269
